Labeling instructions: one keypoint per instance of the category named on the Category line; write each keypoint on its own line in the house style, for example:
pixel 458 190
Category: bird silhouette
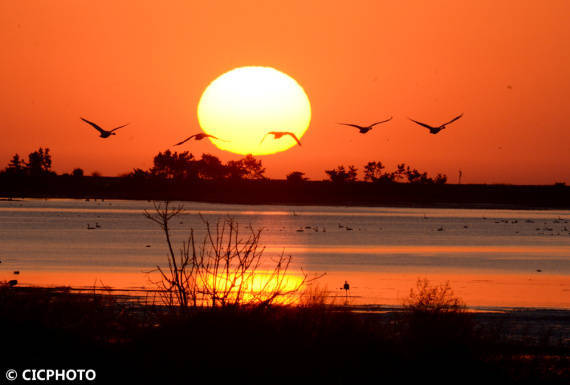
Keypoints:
pixel 280 134
pixel 365 129
pixel 103 133
pixel 199 136
pixel 436 129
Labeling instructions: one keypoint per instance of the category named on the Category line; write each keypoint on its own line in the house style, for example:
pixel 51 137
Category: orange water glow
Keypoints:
pixel 536 290
pixel 254 289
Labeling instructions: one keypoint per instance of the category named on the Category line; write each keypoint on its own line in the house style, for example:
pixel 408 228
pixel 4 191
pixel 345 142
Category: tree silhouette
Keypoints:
pixel 400 172
pixel 78 173
pixel 296 177
pixel 373 172
pixel 440 179
pixel 138 174
pixel 341 175
pixel 210 167
pixel 175 166
pixel 15 167
pixel 39 163
pixel 414 176
pixel 246 168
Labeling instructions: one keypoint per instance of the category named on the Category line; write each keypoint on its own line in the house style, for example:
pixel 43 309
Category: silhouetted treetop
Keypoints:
pixel 184 167
pixel 38 164
pixel 296 177
pixel 16 166
pixel 210 167
pixel 246 168
pixel 342 175
pixel 78 172
pixel 173 165
pixel 373 172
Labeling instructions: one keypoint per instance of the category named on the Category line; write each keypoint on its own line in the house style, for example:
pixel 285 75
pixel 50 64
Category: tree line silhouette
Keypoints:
pixel 38 164
pixel 185 166
pixel 182 176
pixel 374 172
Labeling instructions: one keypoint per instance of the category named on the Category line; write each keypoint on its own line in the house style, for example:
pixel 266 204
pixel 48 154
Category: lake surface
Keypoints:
pixel 490 257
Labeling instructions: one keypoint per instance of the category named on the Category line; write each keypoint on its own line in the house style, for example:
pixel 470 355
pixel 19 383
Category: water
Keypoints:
pixel 491 257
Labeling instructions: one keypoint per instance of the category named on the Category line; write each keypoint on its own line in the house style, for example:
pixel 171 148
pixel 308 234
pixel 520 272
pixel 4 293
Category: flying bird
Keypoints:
pixel 103 133
pixel 199 136
pixel 435 130
pixel 365 129
pixel 280 134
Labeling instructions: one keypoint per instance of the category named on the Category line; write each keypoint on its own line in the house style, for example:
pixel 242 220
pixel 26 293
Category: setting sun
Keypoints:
pixel 241 106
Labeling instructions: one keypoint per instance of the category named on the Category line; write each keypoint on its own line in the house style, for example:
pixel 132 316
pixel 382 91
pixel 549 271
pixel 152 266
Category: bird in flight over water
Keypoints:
pixel 279 134
pixel 365 129
pixel 103 133
pixel 199 136
pixel 435 130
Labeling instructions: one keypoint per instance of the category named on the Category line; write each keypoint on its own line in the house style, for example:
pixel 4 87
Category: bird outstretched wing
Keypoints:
pixel 264 136
pixel 93 124
pixel 116 128
pixel 422 124
pixel 452 120
pixel 353 125
pixel 382 121
pixel 215 137
pixel 185 140
pixel 294 137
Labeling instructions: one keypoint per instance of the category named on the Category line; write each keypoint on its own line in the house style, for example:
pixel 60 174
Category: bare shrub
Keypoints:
pixel 436 323
pixel 433 299
pixel 316 296
pixel 224 269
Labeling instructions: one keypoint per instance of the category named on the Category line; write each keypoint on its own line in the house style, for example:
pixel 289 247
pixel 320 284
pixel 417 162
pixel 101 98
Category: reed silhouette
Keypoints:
pixel 132 340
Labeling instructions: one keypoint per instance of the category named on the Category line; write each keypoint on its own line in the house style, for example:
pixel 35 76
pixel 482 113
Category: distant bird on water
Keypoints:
pixel 280 134
pixel 365 129
pixel 103 133
pixel 435 129
pixel 199 136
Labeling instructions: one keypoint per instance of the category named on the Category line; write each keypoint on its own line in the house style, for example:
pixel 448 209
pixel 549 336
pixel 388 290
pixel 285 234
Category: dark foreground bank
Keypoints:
pixel 125 341
pixel 290 193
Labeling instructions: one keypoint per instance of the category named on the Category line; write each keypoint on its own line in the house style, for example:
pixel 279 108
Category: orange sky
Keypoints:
pixel 147 63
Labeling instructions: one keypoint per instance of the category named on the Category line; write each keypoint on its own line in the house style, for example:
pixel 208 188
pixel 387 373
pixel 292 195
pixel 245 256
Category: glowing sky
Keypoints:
pixel 504 64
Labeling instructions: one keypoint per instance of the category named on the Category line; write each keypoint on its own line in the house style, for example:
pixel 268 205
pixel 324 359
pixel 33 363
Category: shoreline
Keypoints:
pixel 370 309
pixel 411 205
pixel 282 192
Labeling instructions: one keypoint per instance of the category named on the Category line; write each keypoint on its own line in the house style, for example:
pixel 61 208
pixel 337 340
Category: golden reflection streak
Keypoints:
pixel 530 289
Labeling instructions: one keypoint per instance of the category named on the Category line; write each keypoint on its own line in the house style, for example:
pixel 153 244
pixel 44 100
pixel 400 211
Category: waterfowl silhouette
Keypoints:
pixel 435 130
pixel 280 134
pixel 199 136
pixel 365 129
pixel 103 133
pixel 346 288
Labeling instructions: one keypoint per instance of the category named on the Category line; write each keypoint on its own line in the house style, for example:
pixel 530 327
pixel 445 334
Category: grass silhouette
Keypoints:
pixel 135 342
